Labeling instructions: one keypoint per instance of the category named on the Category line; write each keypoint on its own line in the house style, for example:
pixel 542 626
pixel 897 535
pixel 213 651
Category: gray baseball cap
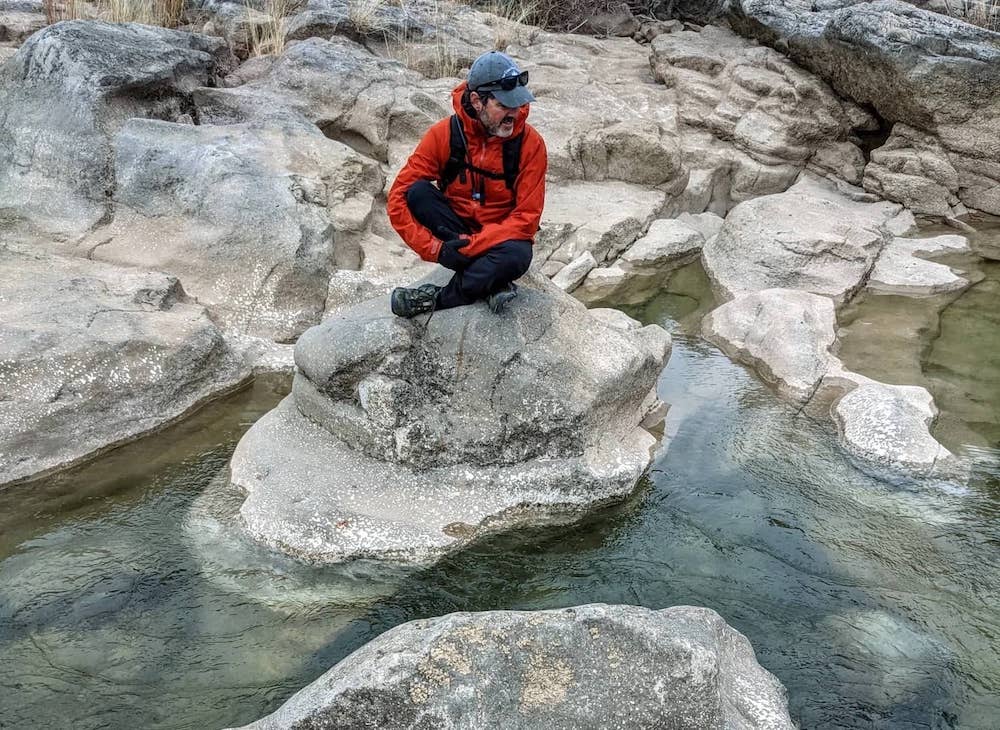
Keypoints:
pixel 498 74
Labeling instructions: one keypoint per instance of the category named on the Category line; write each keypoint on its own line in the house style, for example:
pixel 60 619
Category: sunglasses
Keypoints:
pixel 507 83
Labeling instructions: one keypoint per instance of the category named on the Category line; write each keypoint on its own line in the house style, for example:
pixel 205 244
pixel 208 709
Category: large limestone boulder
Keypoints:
pixel 752 119
pixel 812 237
pixel 405 439
pixel 588 666
pixel 252 220
pixel 93 355
pixel 927 70
pixel 338 86
pixel 66 92
pixel 787 337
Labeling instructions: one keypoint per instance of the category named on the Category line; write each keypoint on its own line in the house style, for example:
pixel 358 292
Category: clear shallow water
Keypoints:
pixel 950 344
pixel 125 602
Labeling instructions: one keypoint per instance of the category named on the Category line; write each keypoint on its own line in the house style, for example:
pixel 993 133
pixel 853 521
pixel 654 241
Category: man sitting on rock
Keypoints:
pixel 481 216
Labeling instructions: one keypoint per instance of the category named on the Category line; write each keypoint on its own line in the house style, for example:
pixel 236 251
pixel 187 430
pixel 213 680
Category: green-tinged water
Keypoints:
pixel 126 601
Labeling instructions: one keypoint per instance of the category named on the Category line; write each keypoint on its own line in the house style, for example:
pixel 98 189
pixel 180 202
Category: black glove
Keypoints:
pixel 450 258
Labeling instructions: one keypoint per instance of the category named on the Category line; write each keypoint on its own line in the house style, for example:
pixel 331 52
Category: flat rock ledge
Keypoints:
pixel 787 336
pixel 593 666
pixel 405 439
pixel 94 355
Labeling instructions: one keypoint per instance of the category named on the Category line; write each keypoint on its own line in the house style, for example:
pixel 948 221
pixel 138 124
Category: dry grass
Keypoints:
pixel 512 16
pixel 984 13
pixel 364 14
pixel 56 11
pixel 266 30
pixel 166 13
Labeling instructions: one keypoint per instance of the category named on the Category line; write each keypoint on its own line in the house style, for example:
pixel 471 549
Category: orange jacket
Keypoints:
pixel 496 221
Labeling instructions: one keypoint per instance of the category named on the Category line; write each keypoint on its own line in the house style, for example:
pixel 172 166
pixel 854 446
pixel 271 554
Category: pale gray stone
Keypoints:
pixel 603 283
pixel 19 19
pixel 668 244
pixel 753 116
pixel 785 335
pixel 588 666
pixel 899 271
pixel 707 224
pixel 67 91
pixel 812 237
pixel 913 168
pixel 889 425
pixel 93 355
pixel 252 220
pixel 601 218
pixel 570 276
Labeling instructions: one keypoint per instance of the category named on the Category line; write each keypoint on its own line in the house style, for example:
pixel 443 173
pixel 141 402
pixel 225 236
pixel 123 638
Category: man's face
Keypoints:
pixel 497 119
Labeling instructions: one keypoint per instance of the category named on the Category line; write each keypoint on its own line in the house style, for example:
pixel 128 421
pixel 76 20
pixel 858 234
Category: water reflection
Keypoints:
pixel 128 599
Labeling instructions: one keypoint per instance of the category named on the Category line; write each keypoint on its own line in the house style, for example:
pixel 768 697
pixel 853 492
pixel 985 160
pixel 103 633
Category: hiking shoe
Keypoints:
pixel 500 299
pixel 411 302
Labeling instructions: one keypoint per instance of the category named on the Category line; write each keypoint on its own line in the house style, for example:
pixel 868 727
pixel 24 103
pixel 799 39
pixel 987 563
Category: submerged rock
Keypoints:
pixel 900 271
pixel 93 355
pixel 590 666
pixel 404 439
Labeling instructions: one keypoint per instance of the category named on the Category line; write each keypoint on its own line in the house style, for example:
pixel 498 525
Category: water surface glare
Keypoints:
pixel 125 601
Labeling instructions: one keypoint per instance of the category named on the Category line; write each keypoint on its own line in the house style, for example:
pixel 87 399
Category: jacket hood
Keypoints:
pixel 472 126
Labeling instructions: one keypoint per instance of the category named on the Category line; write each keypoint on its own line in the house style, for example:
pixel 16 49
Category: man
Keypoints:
pixel 480 218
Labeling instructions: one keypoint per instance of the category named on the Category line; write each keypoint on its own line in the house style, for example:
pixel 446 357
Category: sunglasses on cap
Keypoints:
pixel 507 83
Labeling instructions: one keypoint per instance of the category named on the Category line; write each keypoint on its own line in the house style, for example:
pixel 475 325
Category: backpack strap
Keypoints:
pixel 512 162
pixel 457 162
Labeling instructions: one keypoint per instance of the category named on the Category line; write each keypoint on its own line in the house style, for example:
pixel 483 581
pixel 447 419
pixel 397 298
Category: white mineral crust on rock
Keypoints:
pixel 900 271
pixel 593 666
pixel 786 336
pixel 404 440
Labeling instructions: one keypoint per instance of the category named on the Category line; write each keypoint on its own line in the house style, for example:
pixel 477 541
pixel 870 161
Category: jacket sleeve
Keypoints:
pixel 523 221
pixel 424 164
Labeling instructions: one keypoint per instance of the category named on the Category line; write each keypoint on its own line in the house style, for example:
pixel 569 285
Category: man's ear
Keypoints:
pixel 476 101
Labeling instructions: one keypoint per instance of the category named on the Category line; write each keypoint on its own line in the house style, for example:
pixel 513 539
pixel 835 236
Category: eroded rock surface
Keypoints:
pixel 66 92
pixel 588 666
pixel 253 220
pixel 900 270
pixel 812 237
pixel 752 120
pixel 93 355
pixel 404 440
pixel 787 336
pixel 924 69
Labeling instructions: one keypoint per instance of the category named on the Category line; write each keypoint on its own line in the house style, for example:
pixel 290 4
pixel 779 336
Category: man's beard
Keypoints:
pixel 496 130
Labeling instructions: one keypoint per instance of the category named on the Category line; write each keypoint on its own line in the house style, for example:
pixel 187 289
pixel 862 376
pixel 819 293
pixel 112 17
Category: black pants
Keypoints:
pixel 489 272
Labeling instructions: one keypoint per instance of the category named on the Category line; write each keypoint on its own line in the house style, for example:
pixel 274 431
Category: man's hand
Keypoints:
pixel 450 258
